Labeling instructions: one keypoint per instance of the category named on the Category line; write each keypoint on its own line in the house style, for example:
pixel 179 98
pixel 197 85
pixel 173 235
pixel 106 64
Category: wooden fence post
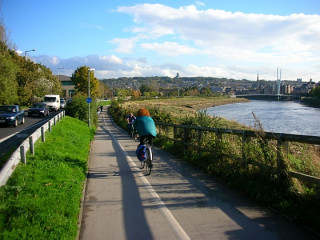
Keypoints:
pixel 218 136
pixel 281 166
pixel 186 137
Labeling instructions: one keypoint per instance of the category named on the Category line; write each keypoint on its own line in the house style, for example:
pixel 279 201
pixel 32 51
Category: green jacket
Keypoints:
pixel 145 126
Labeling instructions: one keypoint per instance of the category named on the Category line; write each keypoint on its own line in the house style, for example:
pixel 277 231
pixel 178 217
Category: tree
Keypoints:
pixel 315 92
pixel 34 80
pixel 8 71
pixel 145 88
pixel 80 78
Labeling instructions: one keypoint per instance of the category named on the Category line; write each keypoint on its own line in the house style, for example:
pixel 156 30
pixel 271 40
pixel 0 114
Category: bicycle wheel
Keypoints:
pixel 142 164
pixel 149 161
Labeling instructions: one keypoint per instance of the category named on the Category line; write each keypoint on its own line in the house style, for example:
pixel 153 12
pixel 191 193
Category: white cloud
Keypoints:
pixel 170 48
pixel 230 38
pixel 296 33
pixel 125 45
pixel 209 42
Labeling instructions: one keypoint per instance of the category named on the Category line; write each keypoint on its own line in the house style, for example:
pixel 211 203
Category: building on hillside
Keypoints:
pixel 67 86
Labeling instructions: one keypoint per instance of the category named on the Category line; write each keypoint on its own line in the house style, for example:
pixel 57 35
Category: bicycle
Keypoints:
pixel 132 131
pixel 149 157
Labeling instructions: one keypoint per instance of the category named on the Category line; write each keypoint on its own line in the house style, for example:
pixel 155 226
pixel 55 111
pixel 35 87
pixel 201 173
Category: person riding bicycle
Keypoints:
pixel 145 126
pixel 130 120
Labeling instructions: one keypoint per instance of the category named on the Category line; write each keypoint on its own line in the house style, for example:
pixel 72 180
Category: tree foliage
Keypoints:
pixel 315 92
pixel 80 78
pixel 23 81
pixel 8 71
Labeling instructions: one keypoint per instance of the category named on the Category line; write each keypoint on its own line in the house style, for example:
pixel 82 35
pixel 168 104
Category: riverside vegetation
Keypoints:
pixel 222 159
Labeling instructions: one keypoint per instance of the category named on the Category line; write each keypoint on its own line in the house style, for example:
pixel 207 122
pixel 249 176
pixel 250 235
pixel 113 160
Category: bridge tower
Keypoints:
pixel 278 81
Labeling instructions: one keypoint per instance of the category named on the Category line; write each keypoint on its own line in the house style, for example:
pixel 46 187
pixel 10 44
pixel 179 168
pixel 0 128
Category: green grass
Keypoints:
pixel 42 198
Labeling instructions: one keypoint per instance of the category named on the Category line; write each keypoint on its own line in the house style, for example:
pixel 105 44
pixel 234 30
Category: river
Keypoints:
pixel 276 116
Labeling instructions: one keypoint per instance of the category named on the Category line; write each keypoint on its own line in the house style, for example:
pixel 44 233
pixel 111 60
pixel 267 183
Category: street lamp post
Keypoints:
pixel 89 70
pixel 59 72
pixel 25 52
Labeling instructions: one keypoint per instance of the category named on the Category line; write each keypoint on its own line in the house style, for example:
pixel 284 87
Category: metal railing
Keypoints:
pixel 192 136
pixel 28 144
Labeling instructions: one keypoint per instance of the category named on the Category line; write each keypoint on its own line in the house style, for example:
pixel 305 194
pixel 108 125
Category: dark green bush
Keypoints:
pixel 78 108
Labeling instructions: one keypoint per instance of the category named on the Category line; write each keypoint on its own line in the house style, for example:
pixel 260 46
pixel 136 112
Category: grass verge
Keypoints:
pixel 41 199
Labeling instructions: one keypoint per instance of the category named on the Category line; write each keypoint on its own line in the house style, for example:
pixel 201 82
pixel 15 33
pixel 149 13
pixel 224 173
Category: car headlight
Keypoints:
pixel 10 118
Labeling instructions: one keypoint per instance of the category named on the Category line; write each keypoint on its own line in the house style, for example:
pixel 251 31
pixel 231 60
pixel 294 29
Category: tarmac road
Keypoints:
pixel 175 202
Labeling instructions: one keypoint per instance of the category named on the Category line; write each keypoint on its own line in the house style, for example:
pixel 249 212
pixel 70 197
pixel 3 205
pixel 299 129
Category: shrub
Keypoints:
pixel 78 108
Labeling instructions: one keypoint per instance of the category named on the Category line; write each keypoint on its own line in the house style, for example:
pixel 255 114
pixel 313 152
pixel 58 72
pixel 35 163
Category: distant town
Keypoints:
pixel 192 86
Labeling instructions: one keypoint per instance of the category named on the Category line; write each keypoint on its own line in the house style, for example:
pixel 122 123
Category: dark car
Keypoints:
pixel 62 103
pixel 11 115
pixel 39 109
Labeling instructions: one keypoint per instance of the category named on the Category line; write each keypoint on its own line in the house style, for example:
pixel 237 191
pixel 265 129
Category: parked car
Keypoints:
pixel 62 103
pixel 39 109
pixel 11 115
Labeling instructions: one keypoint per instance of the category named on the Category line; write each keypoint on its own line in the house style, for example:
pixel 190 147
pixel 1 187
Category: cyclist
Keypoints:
pixel 130 120
pixel 145 127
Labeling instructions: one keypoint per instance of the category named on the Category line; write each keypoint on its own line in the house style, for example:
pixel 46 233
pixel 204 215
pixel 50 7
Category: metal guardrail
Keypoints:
pixel 281 139
pixel 28 144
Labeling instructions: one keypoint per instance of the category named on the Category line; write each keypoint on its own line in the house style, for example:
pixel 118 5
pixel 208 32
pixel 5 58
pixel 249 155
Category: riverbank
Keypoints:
pixel 182 106
pixel 311 101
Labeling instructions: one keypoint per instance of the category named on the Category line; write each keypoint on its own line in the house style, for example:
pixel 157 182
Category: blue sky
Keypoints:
pixel 211 38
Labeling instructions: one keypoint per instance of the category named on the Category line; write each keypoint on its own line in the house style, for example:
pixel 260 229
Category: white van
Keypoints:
pixel 52 101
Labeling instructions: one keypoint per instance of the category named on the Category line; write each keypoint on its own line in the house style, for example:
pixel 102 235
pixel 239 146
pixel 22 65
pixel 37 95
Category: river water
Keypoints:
pixel 276 116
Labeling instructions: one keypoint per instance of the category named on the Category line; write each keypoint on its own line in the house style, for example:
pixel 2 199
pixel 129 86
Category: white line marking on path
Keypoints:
pixel 179 231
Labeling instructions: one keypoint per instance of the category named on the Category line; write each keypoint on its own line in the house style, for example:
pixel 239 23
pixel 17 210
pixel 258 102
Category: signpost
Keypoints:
pixel 89 100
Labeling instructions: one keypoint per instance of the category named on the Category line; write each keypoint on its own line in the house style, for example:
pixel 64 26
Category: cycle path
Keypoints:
pixel 175 202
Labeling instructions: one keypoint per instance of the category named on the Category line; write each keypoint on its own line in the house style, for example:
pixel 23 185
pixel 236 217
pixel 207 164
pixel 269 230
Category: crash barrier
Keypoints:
pixel 28 144
pixel 192 137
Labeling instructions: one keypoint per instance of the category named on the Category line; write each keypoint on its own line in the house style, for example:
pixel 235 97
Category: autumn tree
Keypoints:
pixel 135 93
pixel 80 78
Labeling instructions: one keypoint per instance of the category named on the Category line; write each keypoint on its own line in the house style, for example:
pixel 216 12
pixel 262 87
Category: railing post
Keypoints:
pixel 49 125
pixel 43 137
pixel 200 137
pixel 243 149
pixel 218 136
pixel 281 166
pixel 54 121
pixel 175 133
pixel 23 154
pixel 167 131
pixel 186 137
pixel 31 145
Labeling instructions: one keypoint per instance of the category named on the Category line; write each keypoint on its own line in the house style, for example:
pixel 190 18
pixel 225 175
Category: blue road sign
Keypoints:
pixel 89 100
